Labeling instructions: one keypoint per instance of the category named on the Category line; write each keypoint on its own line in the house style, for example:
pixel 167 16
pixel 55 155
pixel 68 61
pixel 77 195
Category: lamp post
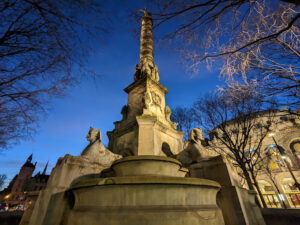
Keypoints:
pixel 283 156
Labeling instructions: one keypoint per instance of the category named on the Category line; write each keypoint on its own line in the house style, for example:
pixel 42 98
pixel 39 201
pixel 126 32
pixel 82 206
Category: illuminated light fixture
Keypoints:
pixel 271 134
pixel 281 197
pixel 283 156
pixel 7 196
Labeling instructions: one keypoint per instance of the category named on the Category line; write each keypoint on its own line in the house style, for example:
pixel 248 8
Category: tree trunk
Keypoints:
pixel 248 179
pixel 250 186
pixel 259 193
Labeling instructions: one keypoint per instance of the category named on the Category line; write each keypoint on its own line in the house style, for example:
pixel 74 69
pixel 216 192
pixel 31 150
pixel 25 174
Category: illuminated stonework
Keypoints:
pixel 146 123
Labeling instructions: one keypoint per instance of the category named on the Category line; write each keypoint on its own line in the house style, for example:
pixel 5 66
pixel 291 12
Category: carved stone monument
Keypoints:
pixel 145 187
pixel 51 203
pixel 195 150
pixel 146 123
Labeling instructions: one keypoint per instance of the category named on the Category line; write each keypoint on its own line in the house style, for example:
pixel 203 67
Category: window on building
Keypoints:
pixel 272 200
pixel 292 193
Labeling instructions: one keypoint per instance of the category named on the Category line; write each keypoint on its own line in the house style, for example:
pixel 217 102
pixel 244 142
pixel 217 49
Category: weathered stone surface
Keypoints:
pixel 96 152
pixel 237 204
pixel 146 123
pixel 136 197
pixel 32 196
pixel 146 120
pixel 195 151
pixel 51 203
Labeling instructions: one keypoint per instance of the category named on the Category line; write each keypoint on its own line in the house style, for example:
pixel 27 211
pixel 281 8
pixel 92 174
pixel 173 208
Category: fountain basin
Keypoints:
pixel 144 197
pixel 146 165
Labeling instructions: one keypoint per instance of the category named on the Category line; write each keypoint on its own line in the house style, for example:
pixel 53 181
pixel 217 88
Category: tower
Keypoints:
pixel 146 128
pixel 45 169
pixel 24 174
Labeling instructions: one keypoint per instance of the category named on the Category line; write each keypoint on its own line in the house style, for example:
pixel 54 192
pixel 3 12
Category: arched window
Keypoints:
pixel 295 146
pixel 166 149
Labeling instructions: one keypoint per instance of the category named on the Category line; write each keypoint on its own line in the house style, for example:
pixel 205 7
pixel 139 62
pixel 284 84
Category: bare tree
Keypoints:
pixel 2 180
pixel 255 42
pixel 42 52
pixel 184 116
pixel 237 129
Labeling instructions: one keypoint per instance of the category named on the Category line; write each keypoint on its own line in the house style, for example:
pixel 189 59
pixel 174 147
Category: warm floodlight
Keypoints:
pixel 271 134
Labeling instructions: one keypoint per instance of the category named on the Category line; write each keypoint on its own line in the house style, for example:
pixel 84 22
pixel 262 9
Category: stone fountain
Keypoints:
pixel 148 186
pixel 144 190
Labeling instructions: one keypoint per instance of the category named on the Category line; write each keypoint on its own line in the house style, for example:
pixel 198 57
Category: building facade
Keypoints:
pixel 279 177
pixel 16 192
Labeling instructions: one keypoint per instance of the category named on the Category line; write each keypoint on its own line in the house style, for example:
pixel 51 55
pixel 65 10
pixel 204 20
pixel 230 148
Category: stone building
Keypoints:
pixel 280 176
pixel 280 184
pixel 24 182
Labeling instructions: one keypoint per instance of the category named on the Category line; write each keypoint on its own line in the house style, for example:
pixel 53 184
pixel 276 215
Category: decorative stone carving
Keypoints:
pixel 96 151
pixel 196 135
pixel 156 99
pixel 168 117
pixel 168 113
pixel 195 150
pixel 147 99
pixel 146 68
pixel 146 65
pixel 155 74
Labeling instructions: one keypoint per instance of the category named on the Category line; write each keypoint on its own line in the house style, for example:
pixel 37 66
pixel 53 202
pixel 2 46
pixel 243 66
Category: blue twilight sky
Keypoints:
pixel 98 105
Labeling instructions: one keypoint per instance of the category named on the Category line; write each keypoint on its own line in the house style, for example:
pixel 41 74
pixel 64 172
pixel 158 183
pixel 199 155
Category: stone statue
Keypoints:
pixel 196 135
pixel 195 150
pixel 96 151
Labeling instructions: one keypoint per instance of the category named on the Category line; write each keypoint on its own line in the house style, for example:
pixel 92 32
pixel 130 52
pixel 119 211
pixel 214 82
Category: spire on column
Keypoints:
pixel 146 65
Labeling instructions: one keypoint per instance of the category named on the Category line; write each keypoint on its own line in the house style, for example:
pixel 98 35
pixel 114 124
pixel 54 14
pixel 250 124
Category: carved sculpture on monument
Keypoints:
pixel 147 188
pixel 195 150
pixel 147 125
pixel 96 151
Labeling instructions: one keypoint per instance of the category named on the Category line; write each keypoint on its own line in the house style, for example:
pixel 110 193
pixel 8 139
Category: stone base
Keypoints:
pixel 237 204
pixel 51 202
pixel 153 195
pixel 146 136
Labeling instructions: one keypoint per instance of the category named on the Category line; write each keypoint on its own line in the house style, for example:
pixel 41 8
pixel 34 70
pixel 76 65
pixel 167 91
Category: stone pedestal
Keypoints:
pixel 146 123
pixel 51 202
pixel 146 190
pixel 237 204
pixel 153 134
pixel 33 195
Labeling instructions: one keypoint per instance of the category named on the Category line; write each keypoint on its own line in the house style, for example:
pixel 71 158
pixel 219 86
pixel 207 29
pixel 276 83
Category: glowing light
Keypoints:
pixel 281 197
pixel 271 134
pixel 7 196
